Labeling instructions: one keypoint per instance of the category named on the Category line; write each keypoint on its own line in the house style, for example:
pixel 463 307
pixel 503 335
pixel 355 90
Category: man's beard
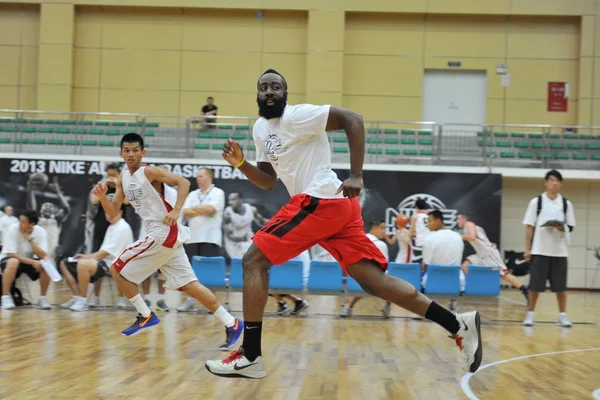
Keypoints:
pixel 274 111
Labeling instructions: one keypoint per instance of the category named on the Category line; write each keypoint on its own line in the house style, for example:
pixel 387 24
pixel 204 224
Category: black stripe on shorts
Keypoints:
pixel 298 218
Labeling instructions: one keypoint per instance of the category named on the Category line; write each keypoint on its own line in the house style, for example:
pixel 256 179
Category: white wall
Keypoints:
pixel 585 196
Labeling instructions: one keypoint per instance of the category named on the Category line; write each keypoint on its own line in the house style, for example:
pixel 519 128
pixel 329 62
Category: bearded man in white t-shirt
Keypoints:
pixel 292 144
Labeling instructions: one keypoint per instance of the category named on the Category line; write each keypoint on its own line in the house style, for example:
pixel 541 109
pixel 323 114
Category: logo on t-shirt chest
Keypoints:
pixel 272 145
pixel 134 194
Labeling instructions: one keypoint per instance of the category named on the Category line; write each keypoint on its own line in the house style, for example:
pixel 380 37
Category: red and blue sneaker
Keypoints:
pixel 141 323
pixel 233 334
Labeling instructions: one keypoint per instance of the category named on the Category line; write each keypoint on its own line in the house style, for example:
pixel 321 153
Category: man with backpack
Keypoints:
pixel 549 221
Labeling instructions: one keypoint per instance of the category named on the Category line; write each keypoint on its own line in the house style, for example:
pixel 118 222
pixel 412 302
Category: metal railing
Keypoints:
pixel 389 142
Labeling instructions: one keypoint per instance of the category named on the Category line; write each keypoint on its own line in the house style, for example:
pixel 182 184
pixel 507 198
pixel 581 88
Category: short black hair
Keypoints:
pixel 464 214
pixel 112 165
pixel 555 174
pixel 375 222
pixel 240 194
pixel 272 71
pixel 421 204
pixel 437 214
pixel 209 98
pixel 132 137
pixel 32 216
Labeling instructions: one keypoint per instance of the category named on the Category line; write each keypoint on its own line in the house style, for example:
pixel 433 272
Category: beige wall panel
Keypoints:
pixel 140 69
pixel 57 62
pixel 85 99
pixel 88 27
pixel 383 75
pixel 235 72
pixel 139 101
pixel 529 78
pixel 86 70
pixel 9 65
pixel 9 96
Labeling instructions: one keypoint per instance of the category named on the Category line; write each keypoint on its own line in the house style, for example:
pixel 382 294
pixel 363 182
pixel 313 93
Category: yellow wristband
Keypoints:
pixel 240 163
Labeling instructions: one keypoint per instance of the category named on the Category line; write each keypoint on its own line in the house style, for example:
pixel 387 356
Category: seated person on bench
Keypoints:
pixel 442 246
pixel 22 242
pixel 92 267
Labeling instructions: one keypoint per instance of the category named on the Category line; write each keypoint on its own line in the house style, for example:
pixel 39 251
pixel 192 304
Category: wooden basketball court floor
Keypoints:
pixel 59 354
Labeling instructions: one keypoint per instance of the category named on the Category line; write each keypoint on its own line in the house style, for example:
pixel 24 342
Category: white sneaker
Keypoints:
pixel 43 303
pixel 79 305
pixel 121 304
pixel 189 305
pixel 529 319
pixel 69 303
pixel 7 302
pixel 385 311
pixel 94 302
pixel 563 320
pixel 236 365
pixel 346 312
pixel 468 339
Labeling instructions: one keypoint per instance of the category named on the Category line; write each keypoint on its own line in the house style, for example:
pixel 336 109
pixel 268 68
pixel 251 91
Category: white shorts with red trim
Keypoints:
pixel 492 259
pixel 140 260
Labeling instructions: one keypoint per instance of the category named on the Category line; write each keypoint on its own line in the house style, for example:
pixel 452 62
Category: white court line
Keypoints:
pixel 596 394
pixel 464 381
pixel 512 301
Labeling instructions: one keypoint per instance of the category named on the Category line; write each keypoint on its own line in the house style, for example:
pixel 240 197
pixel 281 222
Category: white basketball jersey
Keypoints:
pixel 152 207
pixel 481 244
pixel 239 225
pixel 421 229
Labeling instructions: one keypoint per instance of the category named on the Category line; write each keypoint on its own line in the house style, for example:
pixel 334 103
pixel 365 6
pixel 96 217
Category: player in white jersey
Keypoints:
pixel 487 254
pixel 292 144
pixel 419 228
pixel 237 225
pixel 144 188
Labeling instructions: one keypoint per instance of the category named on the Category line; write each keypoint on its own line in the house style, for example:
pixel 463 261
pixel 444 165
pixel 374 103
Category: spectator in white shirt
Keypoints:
pixel 377 235
pixel 203 210
pixel 22 242
pixel 6 220
pixel 93 267
pixel 442 246
pixel 549 219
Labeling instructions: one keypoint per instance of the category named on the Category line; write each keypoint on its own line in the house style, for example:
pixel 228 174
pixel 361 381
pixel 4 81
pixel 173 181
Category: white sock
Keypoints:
pixel 42 297
pixel 140 306
pixel 562 314
pixel 226 318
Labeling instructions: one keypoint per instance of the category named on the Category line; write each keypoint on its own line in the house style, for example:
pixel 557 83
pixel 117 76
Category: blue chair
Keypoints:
pixel 210 271
pixel 443 279
pixel 353 286
pixel 286 276
pixel 483 281
pixel 325 276
pixel 411 273
pixel 236 275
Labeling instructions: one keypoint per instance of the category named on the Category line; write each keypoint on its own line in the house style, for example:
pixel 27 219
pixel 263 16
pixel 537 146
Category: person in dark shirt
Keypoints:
pixel 209 109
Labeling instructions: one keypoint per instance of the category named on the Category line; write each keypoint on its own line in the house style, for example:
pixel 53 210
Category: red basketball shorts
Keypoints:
pixel 335 224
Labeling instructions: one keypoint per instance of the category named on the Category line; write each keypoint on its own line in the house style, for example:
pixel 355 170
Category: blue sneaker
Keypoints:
pixel 141 323
pixel 233 335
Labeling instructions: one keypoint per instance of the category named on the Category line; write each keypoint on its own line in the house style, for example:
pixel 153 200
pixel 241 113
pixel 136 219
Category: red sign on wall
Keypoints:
pixel 558 96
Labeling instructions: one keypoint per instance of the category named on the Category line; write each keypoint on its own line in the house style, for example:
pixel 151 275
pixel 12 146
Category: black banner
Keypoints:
pixel 59 191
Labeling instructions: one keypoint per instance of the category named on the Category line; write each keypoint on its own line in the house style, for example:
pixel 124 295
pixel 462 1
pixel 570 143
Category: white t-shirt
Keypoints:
pixel 5 223
pixel 549 241
pixel 421 228
pixel 297 147
pixel 206 228
pixel 380 245
pixel 118 236
pixel 15 242
pixel 443 247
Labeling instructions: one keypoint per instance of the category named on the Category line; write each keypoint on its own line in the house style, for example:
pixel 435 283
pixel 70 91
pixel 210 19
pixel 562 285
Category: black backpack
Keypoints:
pixel 16 295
